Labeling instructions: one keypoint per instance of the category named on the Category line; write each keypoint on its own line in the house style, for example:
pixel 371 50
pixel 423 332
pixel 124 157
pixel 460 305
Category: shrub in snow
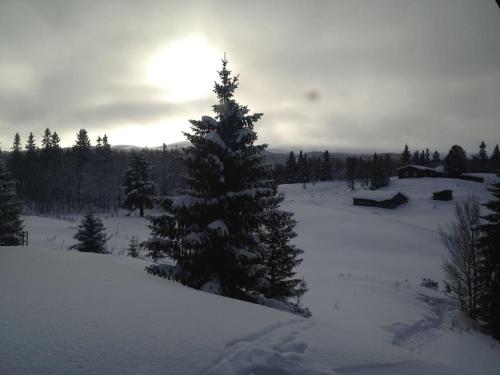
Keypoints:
pixel 429 283
pixel 216 230
pixel 138 188
pixel 461 265
pixel 11 225
pixel 91 234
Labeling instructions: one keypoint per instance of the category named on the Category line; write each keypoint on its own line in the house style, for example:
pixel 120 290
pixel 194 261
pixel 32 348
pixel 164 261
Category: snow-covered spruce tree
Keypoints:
pixel 11 225
pixel 490 264
pixel 91 234
pixel 139 189
pixel 133 248
pixel 405 156
pixel 455 161
pixel 215 231
pixel 283 256
pixel 326 167
pixel 292 169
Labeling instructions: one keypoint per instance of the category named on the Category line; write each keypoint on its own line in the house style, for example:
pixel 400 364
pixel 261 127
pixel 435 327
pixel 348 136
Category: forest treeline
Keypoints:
pixel 52 179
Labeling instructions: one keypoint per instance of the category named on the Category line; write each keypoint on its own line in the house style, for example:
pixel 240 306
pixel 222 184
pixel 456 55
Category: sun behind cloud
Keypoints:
pixel 185 69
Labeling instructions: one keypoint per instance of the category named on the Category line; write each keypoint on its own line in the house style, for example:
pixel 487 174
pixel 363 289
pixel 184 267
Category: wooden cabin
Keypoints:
pixel 383 199
pixel 443 195
pixel 416 171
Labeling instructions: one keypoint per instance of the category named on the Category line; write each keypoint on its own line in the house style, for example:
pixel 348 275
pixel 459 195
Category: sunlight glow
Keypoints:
pixel 185 69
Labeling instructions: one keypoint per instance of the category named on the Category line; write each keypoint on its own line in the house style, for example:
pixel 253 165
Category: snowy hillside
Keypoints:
pixel 68 312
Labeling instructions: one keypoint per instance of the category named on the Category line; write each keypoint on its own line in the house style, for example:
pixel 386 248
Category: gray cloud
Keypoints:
pixel 384 72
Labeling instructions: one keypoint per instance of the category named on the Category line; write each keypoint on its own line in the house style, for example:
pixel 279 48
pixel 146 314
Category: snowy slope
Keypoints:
pixel 68 312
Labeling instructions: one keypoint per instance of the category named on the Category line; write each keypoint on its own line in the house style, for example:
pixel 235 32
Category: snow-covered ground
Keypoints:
pixel 68 312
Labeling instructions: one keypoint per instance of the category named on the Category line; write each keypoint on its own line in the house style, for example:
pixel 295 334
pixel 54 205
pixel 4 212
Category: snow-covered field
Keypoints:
pixel 67 312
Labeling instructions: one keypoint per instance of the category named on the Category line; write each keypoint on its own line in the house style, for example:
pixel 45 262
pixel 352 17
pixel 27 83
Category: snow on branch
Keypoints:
pixel 219 226
pixel 216 139
pixel 209 121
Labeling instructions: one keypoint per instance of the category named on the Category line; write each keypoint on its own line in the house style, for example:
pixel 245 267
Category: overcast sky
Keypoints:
pixel 342 75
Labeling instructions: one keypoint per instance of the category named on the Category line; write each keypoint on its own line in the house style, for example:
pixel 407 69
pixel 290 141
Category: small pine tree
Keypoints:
pixel 46 140
pixel 11 225
pixel 326 167
pixel 427 157
pixel 91 234
pixel 490 264
pixel 138 187
pixel 351 170
pixel 436 158
pixel 16 147
pixel 405 156
pixel 133 248
pixel 456 161
pixel 416 158
pixel 379 173
pixel 422 158
pixel 495 159
pixel 303 174
pixel 283 256
pixel 54 143
pixel 31 144
pixel 292 169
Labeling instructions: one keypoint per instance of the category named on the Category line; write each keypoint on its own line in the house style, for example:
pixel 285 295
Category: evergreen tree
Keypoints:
pixel 490 264
pixel 91 234
pixel 436 158
pixel 31 145
pixel 326 167
pixel 405 156
pixel 483 157
pixel 105 144
pixel 495 159
pixel 138 188
pixel 16 147
pixel 303 174
pixel 54 142
pixel 416 158
pixel 46 140
pixel 352 168
pixel 11 225
pixel 379 174
pixel 215 231
pixel 283 257
pixel 427 157
pixel 98 145
pixel 133 248
pixel 82 143
pixel 456 161
pixel 292 169
pixel 422 158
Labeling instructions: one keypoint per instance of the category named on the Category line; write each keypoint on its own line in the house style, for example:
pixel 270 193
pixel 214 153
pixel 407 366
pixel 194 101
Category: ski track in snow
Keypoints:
pixel 413 367
pixel 413 336
pixel 277 350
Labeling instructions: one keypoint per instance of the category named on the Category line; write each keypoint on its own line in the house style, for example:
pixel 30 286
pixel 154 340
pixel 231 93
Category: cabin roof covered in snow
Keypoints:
pixel 419 167
pixel 373 195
